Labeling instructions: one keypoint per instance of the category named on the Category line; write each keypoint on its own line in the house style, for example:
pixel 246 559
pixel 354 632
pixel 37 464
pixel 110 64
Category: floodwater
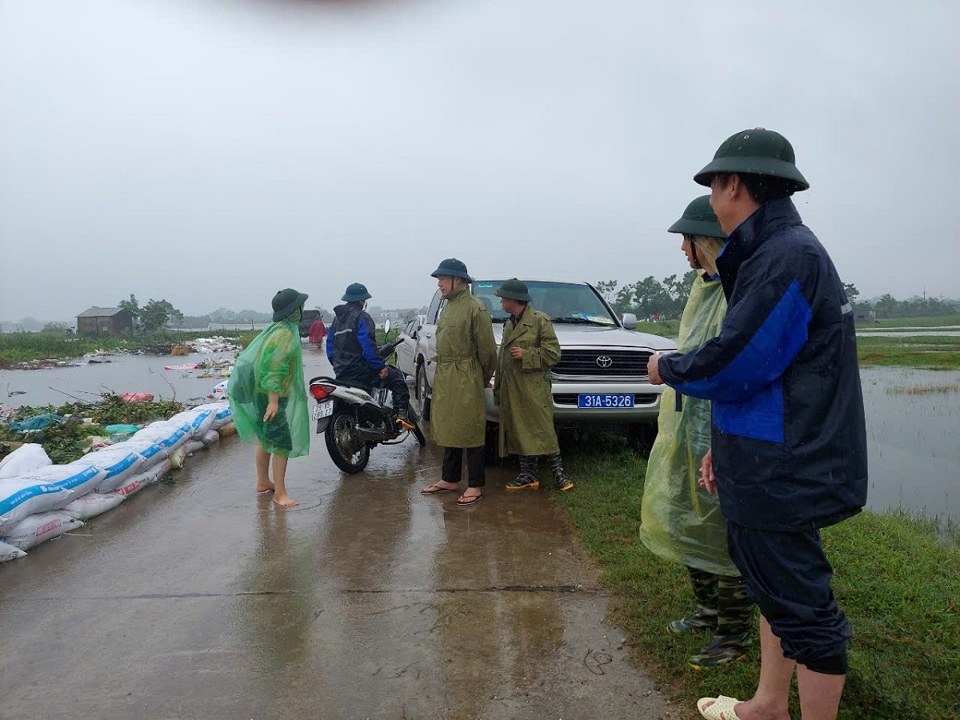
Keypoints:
pixel 196 598
pixel 912 438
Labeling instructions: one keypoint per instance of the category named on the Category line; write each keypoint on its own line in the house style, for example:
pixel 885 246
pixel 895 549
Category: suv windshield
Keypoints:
pixel 563 302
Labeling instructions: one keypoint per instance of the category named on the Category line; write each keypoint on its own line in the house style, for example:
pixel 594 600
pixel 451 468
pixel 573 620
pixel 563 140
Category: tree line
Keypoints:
pixel 665 299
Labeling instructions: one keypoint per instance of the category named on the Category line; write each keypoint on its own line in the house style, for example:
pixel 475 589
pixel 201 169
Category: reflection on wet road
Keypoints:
pixel 198 599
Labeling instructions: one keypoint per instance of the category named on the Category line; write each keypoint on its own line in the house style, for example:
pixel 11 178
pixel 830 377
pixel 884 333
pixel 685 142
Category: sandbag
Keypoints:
pixel 38 528
pixel 25 459
pixel 211 438
pixel 92 504
pixel 199 421
pixel 221 413
pixel 46 489
pixel 9 552
pixel 118 463
pixel 192 446
pixel 167 435
pixel 136 483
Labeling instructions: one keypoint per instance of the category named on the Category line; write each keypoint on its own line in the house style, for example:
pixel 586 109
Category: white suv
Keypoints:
pixel 601 378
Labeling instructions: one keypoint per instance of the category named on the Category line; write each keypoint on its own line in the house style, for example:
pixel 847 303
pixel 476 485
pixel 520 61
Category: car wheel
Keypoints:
pixel 422 394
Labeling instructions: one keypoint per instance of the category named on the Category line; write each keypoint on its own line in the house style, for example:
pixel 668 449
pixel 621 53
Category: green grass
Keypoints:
pixel 664 328
pixel 930 352
pixel 927 321
pixel 897 578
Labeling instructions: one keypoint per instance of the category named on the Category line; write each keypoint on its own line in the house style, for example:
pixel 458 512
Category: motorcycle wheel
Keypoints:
pixel 337 436
pixel 422 392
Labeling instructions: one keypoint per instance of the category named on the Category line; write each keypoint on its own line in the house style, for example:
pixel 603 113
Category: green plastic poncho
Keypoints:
pixel 680 521
pixel 466 358
pixel 273 362
pixel 523 388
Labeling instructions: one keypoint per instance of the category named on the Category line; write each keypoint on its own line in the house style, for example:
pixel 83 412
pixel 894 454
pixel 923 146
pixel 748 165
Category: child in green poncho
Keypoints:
pixel 268 399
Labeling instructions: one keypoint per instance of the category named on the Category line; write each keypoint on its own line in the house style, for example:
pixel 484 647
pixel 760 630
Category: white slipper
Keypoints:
pixel 721 709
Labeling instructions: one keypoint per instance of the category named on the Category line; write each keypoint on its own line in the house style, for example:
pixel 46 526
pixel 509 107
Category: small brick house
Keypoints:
pixel 105 321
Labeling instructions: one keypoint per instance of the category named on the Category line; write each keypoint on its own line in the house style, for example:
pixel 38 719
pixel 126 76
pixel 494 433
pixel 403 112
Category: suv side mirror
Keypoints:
pixel 630 321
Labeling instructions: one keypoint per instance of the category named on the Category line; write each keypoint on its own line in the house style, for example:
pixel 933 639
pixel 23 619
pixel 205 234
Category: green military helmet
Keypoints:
pixel 285 302
pixel 514 290
pixel 699 219
pixel 356 292
pixel 755 152
pixel 453 268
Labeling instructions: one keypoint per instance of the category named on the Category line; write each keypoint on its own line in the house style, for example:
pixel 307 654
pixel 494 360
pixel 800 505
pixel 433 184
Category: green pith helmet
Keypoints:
pixel 699 219
pixel 514 290
pixel 755 152
pixel 285 302
pixel 356 292
pixel 453 268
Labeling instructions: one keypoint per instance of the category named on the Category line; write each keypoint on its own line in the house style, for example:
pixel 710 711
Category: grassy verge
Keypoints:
pixel 898 583
pixel 665 328
pixel 927 321
pixel 929 352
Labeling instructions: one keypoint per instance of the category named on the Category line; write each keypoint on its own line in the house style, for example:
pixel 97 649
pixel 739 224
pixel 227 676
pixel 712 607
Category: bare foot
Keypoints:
pixel 441 486
pixel 263 489
pixel 285 501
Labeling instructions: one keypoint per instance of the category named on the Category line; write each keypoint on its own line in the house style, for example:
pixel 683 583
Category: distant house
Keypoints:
pixel 105 321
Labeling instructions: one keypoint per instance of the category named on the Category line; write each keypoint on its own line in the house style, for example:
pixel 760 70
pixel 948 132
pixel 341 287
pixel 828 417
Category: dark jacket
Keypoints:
pixel 789 437
pixel 351 345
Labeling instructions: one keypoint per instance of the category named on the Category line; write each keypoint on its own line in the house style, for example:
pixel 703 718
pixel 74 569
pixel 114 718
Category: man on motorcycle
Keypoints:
pixel 352 350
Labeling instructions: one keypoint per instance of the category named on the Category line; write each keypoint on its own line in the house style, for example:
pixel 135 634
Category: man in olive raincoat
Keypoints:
pixel 528 350
pixel 466 359
pixel 268 399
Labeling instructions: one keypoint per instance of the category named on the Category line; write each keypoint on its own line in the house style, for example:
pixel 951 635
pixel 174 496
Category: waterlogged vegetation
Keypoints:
pixel 931 352
pixel 896 577
pixel 22 347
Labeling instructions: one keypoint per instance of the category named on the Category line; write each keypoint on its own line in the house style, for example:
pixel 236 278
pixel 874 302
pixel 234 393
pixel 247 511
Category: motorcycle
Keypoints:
pixel 355 418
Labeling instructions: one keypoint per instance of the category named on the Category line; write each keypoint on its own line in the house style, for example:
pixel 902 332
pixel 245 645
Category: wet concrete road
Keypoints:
pixel 197 599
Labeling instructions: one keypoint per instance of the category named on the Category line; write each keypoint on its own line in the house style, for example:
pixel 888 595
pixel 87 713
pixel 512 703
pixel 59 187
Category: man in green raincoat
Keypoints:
pixel 268 398
pixel 522 390
pixel 466 359
pixel 681 521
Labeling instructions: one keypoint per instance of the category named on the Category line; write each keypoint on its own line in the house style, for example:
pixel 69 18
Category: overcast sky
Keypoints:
pixel 211 152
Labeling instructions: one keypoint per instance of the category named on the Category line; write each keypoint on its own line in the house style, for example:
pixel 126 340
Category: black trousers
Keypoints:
pixel 397 385
pixel 453 466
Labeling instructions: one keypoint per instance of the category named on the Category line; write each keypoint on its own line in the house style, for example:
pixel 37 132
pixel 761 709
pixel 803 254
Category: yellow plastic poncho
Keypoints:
pixel 680 521
pixel 466 358
pixel 273 362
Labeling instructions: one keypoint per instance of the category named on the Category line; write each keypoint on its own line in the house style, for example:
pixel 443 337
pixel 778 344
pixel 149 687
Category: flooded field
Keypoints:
pixel 913 418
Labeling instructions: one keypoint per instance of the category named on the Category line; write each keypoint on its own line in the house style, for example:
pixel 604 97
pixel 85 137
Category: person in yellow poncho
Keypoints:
pixel 268 398
pixel 681 521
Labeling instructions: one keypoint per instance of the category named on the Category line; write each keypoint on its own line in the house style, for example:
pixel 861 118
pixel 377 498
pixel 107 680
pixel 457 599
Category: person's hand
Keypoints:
pixel 516 353
pixel 383 373
pixel 653 369
pixel 708 480
pixel 272 408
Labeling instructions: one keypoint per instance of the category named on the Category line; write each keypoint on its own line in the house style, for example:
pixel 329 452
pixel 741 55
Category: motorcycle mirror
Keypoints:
pixel 386 327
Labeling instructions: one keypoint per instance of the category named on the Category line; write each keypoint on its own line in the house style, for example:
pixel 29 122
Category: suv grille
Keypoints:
pixel 639 399
pixel 603 363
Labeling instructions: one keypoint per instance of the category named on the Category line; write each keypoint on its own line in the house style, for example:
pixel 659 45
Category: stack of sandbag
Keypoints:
pixel 40 501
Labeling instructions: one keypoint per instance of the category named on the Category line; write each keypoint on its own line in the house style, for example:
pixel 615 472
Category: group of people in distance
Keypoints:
pixel 761 434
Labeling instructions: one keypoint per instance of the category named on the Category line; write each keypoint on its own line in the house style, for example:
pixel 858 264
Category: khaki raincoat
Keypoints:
pixel 522 388
pixel 466 358
pixel 681 521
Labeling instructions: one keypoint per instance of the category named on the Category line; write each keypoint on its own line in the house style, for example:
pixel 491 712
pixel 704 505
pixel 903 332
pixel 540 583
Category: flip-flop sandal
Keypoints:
pixel 468 501
pixel 722 708
pixel 436 490
pixel 264 492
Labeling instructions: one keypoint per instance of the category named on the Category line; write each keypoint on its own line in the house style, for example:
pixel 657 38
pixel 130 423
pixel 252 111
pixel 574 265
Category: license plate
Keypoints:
pixel 322 410
pixel 600 401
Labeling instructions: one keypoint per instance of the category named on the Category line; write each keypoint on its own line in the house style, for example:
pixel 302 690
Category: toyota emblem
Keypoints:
pixel 604 361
